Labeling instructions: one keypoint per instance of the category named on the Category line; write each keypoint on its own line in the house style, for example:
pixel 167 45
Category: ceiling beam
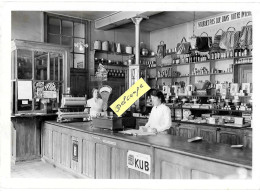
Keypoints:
pixel 119 18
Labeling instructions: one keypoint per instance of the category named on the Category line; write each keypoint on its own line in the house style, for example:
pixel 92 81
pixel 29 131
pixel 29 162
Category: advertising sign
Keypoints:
pixel 139 161
pixel 223 19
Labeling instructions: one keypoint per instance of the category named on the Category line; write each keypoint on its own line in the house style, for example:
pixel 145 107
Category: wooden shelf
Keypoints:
pixel 115 65
pixel 243 63
pixel 242 57
pixel 113 53
pixel 165 66
pixel 164 77
pixel 223 59
pixel 200 75
pixel 148 56
pixel 201 109
pixel 230 96
pixel 182 64
pixel 200 62
pixel 182 76
pixel 221 73
pixel 172 53
pixel 110 77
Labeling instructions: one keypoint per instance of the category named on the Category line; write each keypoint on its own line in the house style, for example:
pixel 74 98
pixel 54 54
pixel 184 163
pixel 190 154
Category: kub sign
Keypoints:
pixel 138 161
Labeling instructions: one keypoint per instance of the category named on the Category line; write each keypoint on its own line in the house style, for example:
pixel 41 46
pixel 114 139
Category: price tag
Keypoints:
pixel 24 102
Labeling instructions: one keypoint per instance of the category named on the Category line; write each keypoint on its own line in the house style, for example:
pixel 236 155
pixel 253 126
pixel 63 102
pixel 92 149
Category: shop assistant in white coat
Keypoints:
pixel 160 117
pixel 95 104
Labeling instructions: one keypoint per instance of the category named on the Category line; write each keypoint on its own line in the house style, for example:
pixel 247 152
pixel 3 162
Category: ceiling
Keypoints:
pixel 168 19
pixel 157 21
pixel 88 15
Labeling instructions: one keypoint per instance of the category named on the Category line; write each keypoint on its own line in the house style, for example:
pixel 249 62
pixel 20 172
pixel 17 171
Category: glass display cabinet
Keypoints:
pixel 40 74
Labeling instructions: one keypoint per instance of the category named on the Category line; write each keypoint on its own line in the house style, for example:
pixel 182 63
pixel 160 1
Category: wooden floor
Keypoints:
pixel 38 169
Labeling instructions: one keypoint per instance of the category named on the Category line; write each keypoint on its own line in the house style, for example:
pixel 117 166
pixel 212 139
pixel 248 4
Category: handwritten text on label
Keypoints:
pixel 129 97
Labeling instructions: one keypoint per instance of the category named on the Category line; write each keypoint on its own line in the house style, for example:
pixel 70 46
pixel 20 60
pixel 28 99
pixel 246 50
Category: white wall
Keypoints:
pixel 173 35
pixel 28 25
pixel 122 36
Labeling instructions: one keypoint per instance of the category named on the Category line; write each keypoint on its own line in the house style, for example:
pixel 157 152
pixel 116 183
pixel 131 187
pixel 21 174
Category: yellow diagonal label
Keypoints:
pixel 129 97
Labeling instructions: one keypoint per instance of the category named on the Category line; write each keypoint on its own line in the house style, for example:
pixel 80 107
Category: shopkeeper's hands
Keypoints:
pixel 147 129
pixel 143 128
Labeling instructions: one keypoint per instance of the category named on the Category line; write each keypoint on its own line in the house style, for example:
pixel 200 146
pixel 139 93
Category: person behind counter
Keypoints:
pixel 160 117
pixel 95 103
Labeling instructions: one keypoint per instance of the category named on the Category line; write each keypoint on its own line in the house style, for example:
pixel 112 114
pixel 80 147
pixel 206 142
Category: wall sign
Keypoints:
pixel 139 161
pixel 223 19
pixel 75 150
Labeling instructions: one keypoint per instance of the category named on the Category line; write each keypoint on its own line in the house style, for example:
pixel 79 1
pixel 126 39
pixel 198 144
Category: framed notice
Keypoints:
pixel 25 90
pixel 75 150
pixel 139 162
pixel 38 89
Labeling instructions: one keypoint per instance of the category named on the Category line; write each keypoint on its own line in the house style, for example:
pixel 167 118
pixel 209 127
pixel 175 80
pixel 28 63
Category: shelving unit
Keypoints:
pixel 225 65
pixel 117 67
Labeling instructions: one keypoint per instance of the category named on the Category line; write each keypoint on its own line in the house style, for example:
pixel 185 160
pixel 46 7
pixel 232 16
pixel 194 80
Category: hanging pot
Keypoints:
pixel 97 45
pixel 105 45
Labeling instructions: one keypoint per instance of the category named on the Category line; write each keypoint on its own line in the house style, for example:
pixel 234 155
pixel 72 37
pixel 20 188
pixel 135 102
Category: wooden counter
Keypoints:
pixel 26 136
pixel 102 153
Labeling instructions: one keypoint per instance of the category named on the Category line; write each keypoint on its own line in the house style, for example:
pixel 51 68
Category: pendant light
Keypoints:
pixel 80 44
pixel 193 28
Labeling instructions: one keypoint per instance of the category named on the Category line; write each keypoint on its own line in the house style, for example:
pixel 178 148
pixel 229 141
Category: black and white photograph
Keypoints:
pixel 113 95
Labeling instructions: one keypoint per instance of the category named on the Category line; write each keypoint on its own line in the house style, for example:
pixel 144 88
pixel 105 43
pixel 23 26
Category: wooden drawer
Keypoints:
pixel 187 130
pixel 247 140
pixel 229 136
pixel 208 133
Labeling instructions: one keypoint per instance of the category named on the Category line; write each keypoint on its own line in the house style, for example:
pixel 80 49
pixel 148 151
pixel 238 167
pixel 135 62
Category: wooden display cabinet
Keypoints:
pixel 40 74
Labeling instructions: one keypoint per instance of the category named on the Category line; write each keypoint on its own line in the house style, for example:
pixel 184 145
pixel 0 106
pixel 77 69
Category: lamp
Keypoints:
pixel 80 45
pixel 193 35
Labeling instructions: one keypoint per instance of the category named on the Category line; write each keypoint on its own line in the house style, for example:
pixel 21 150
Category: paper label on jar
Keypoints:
pixel 129 97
